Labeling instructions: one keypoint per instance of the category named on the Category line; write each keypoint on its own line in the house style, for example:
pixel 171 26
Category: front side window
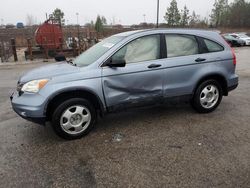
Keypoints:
pixel 213 46
pixel 142 49
pixel 181 45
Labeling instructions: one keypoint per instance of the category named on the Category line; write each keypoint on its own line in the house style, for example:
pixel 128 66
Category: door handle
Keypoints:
pixel 200 59
pixel 154 66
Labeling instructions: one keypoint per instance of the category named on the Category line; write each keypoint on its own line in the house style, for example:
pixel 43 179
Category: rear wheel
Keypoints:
pixel 74 118
pixel 207 96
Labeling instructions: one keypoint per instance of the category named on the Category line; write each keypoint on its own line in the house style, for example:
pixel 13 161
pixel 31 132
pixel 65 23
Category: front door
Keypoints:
pixel 141 80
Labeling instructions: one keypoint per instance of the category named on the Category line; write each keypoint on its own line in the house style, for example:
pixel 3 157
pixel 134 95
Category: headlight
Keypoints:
pixel 34 86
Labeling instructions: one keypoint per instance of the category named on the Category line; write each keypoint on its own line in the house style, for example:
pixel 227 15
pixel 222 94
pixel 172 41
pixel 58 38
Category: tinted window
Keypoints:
pixel 213 46
pixel 142 49
pixel 181 45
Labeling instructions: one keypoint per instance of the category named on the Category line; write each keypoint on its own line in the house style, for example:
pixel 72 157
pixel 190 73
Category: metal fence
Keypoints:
pixel 20 44
pixel 5 51
pixel 70 47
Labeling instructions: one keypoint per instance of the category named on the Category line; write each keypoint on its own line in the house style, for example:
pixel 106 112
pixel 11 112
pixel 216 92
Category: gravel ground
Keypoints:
pixel 170 146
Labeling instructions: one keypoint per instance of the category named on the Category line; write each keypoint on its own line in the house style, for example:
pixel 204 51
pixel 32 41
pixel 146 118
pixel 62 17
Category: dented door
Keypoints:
pixel 141 80
pixel 132 85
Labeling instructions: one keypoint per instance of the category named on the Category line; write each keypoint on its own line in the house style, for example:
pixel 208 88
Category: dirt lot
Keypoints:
pixel 169 146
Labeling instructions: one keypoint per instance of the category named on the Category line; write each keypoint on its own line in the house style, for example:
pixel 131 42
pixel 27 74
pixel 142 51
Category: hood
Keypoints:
pixel 240 40
pixel 49 71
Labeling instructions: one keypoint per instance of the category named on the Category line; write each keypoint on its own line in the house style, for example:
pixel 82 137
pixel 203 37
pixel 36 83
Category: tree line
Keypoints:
pixel 223 14
pixel 236 14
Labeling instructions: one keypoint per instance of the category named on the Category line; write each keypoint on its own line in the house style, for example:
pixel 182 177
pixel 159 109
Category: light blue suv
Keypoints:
pixel 126 70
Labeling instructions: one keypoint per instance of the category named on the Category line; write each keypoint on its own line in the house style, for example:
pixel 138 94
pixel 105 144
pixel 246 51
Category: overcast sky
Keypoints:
pixel 121 11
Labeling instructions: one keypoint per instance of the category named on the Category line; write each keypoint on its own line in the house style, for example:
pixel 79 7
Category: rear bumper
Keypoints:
pixel 231 88
pixel 233 83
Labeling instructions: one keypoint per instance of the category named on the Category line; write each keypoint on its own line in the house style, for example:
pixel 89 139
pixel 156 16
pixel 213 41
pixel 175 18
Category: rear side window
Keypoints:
pixel 213 46
pixel 181 45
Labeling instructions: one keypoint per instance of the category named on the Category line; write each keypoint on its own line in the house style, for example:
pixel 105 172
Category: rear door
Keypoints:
pixel 183 59
pixel 140 81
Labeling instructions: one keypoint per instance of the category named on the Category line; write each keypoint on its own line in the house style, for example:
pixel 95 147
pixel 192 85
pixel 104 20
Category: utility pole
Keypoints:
pixel 77 43
pixel 157 22
pixel 77 14
pixel 78 26
pixel 2 21
pixel 144 16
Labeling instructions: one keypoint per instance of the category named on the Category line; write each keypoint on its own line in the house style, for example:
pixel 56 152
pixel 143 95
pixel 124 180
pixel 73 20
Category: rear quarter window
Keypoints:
pixel 213 46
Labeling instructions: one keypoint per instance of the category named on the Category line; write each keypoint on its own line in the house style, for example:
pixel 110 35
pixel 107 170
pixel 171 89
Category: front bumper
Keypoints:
pixel 28 109
pixel 247 43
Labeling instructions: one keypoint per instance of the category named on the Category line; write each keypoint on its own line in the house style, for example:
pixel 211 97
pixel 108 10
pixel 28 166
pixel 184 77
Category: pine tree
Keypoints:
pixel 194 19
pixel 172 15
pixel 218 15
pixel 58 14
pixel 98 24
pixel 185 17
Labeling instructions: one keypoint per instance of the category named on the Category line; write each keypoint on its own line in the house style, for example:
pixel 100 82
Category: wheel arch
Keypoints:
pixel 218 77
pixel 63 95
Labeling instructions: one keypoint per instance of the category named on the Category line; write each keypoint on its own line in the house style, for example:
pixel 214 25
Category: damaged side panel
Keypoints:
pixel 131 85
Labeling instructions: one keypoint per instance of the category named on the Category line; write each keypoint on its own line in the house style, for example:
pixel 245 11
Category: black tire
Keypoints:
pixel 60 110
pixel 196 102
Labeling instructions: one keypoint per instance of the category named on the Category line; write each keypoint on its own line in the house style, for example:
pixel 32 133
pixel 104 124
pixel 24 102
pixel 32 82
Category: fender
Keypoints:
pixel 71 89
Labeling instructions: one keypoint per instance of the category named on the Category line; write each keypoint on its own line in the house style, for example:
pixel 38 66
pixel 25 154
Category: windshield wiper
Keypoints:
pixel 71 62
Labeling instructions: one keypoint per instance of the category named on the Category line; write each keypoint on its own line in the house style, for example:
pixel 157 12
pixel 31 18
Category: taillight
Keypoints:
pixel 233 53
pixel 234 56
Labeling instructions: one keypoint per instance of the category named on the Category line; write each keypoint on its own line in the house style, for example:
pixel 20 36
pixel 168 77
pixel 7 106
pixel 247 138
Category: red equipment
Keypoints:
pixel 49 35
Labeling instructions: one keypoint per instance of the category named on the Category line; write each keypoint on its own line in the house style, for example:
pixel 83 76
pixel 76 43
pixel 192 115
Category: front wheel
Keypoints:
pixel 74 118
pixel 207 96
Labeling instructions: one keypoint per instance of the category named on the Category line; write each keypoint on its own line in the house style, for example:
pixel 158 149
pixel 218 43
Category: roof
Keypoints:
pixel 127 33
pixel 208 34
pixel 167 30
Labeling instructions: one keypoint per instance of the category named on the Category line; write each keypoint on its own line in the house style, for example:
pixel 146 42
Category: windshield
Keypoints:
pixel 229 37
pixel 95 52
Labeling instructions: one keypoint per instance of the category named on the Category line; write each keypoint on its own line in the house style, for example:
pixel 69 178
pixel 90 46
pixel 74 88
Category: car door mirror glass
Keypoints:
pixel 117 62
pixel 60 57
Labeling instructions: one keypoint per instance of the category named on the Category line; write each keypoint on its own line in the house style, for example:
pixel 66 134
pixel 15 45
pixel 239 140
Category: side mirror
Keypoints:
pixel 60 57
pixel 117 62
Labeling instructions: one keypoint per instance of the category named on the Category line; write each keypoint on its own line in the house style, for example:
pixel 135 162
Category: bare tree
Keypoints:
pixel 30 20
